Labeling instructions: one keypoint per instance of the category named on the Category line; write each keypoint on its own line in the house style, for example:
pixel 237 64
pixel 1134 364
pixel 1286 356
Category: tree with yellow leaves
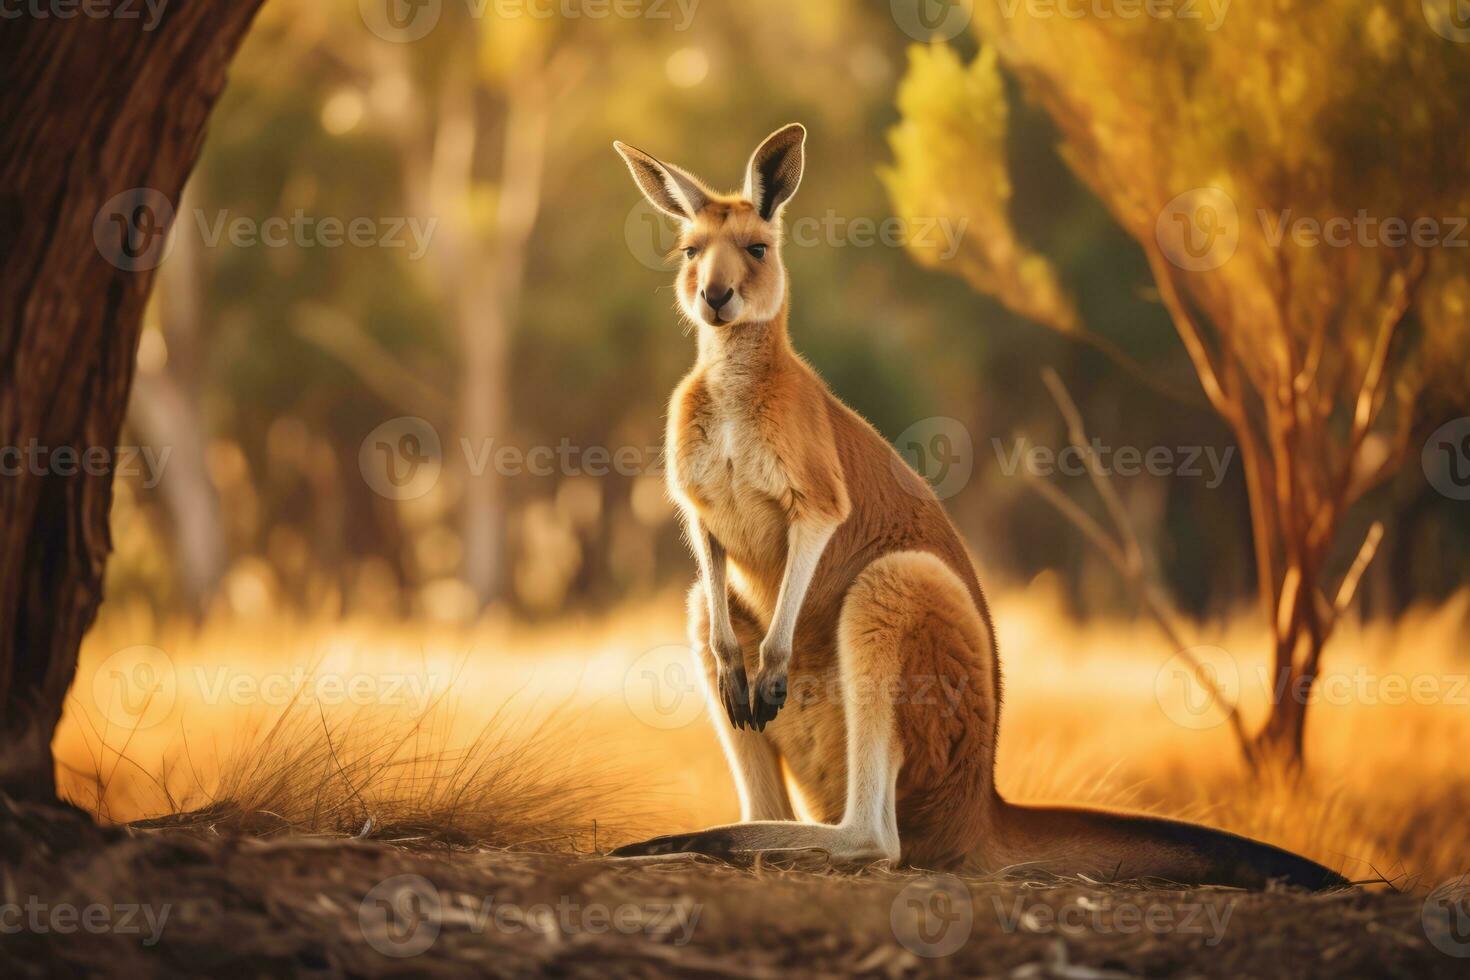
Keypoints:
pixel 1297 179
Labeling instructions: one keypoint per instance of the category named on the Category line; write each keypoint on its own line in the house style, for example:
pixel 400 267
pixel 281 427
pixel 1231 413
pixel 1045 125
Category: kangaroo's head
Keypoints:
pixel 731 243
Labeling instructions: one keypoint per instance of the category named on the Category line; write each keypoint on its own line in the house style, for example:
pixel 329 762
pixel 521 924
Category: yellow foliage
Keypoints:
pixel 1295 174
pixel 1301 121
pixel 950 161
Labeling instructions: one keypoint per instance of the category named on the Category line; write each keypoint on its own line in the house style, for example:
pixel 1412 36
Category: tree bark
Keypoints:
pixel 101 120
pixel 1278 749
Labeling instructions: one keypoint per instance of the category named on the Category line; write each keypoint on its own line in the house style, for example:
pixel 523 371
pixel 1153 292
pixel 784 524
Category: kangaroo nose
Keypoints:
pixel 716 297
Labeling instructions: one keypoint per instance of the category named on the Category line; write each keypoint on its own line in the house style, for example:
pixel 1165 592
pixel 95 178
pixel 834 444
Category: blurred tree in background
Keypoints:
pixel 1293 180
pixel 532 319
pixel 538 316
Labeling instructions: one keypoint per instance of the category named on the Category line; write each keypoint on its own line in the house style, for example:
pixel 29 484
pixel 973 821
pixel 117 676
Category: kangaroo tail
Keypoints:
pixel 1110 845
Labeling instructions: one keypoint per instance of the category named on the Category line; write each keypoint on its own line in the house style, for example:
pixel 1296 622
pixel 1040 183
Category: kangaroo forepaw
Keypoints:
pixel 768 697
pixel 735 695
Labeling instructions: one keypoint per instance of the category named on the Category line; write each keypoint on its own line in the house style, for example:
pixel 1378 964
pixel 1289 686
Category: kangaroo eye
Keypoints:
pixel 757 250
pixel 690 253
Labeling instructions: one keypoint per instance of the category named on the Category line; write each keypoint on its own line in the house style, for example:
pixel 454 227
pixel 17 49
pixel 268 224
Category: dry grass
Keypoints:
pixel 370 776
pixel 1387 785
pixel 416 744
pixel 506 734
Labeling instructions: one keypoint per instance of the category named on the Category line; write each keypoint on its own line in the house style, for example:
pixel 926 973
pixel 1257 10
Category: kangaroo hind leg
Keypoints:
pixel 868 831
pixel 754 762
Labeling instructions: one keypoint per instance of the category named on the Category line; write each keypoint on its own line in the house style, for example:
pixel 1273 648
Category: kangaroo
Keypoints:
pixel 835 597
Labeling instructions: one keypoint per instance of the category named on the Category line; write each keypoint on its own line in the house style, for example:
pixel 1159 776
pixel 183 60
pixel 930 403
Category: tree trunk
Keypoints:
pixel 101 120
pixel 487 316
pixel 1278 747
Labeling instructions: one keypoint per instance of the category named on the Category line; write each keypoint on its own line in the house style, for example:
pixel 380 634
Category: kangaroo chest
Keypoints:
pixel 727 473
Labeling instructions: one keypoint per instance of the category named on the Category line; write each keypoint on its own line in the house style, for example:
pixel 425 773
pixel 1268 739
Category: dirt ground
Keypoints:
pixel 83 901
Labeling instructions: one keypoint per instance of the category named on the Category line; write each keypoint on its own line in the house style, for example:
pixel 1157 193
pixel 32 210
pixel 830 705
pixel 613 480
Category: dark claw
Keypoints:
pixel 711 842
pixel 735 693
pixel 770 697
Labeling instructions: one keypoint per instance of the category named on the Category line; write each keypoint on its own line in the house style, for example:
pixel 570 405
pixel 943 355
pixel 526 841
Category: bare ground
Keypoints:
pixel 185 903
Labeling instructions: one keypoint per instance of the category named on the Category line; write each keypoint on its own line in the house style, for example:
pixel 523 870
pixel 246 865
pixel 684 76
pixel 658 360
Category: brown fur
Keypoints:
pixel 888 717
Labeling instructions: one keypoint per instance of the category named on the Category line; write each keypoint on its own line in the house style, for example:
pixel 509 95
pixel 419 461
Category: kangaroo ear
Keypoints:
pixel 775 169
pixel 671 190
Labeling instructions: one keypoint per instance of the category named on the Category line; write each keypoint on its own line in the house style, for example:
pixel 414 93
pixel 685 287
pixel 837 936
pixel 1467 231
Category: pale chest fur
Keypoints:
pixel 725 471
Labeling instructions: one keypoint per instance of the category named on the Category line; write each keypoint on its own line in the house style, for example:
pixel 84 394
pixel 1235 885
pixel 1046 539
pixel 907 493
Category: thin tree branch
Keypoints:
pixel 1369 400
pixel 1190 333
pixel 377 367
pixel 1077 434
pixel 1126 556
pixel 1366 552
